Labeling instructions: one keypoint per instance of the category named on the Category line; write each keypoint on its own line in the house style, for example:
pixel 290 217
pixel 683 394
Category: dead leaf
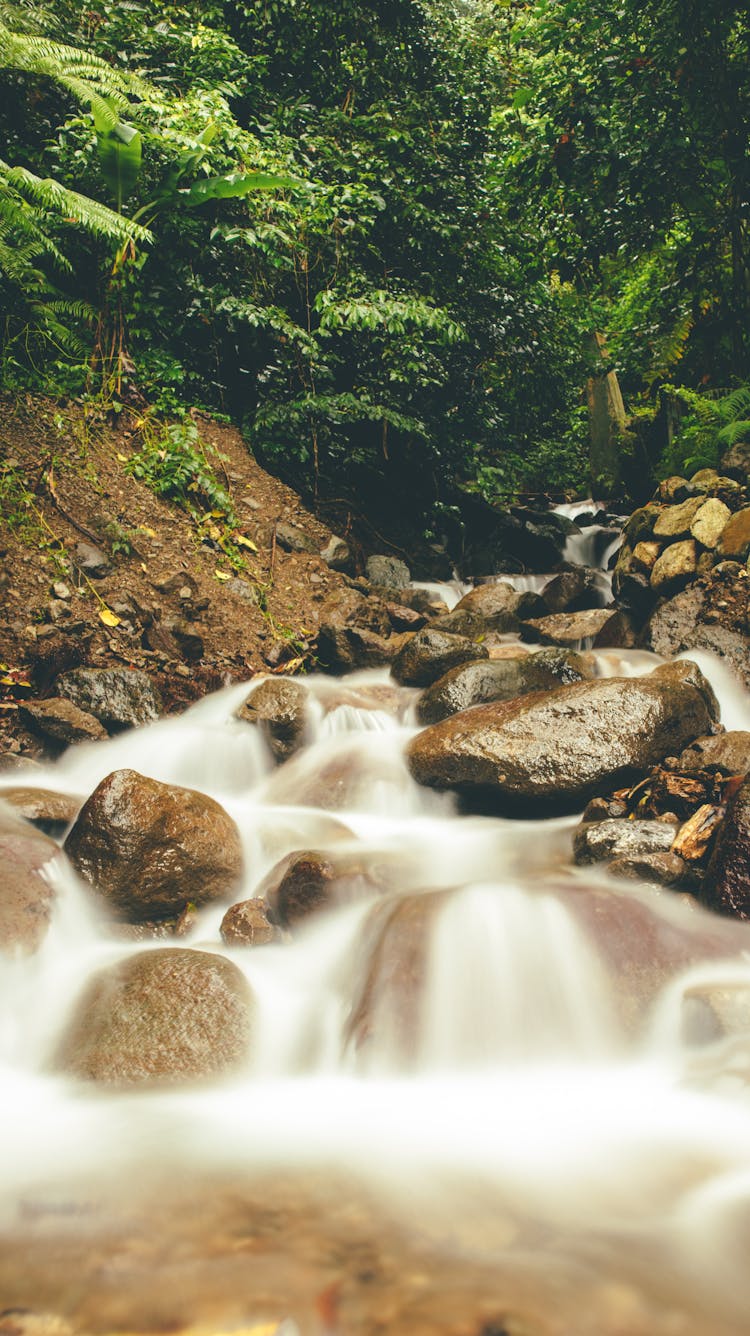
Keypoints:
pixel 242 541
pixel 109 618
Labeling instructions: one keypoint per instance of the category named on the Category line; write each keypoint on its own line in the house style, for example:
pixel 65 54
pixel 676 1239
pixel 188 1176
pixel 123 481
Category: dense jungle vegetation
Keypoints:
pixel 391 239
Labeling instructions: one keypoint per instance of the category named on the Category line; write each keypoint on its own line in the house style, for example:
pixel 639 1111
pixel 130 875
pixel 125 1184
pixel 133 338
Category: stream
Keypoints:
pixel 544 1162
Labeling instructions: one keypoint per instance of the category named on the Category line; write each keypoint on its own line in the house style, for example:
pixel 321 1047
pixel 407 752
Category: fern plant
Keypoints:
pixel 32 208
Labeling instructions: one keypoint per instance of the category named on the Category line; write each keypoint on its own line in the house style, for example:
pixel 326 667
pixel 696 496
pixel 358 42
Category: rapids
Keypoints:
pixel 524 1092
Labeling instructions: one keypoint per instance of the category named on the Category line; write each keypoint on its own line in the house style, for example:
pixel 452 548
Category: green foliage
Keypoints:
pixel 709 425
pixel 175 463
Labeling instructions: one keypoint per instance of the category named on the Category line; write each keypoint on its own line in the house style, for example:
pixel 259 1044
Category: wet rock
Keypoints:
pixel 554 750
pixel 606 839
pixel 118 697
pixel 678 625
pixel 279 707
pixel 499 606
pixel 308 881
pixel 429 654
pixel 165 1016
pixel 150 849
pixel 685 672
pixel 49 811
pixel 727 753
pixel 673 489
pixel 461 622
pixel 353 631
pixel 499 679
pixel 571 591
pixel 61 721
pixel 735 538
pixel 677 564
pixel 645 556
pixel 388 571
pixel 640 526
pixel 91 560
pixel 337 554
pixel 712 1011
pixel 27 897
pixel 247 924
pixel 675 521
pixel 620 632
pixel 710 522
pixel 405 619
pixel 293 539
pixel 664 868
pixel 567 628
pixel 727 884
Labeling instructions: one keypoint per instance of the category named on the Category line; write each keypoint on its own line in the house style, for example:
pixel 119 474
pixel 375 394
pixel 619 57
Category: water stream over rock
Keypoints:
pixel 497 1049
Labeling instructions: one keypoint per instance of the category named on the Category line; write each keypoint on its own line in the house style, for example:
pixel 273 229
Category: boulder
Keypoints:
pixel 499 679
pixel 27 896
pixel 499 606
pixel 677 625
pixel 599 840
pixel 49 811
pixel 677 564
pixel 118 697
pixel 662 867
pixel 337 554
pixel 710 521
pixel 735 538
pixel 293 539
pixel 279 708
pixel 429 654
pixel 727 883
pixel 353 631
pixel 645 556
pixel 675 521
pixel 159 1017
pixel 572 591
pixel 640 526
pixel 247 924
pixel 308 881
pixel 569 629
pixel 60 721
pixel 388 571
pixel 726 753
pixel 150 849
pixel 554 750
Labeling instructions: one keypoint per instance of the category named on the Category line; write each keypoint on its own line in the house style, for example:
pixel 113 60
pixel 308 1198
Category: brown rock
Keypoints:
pixel 429 654
pixel 727 884
pixel 727 753
pixel 498 679
pixel 27 896
pixel 497 604
pixel 645 556
pixel 248 924
pixel 49 811
pixel 159 1017
pixel 150 848
pixel 676 565
pixel 279 707
pixel 61 721
pixel 665 868
pixel 735 538
pixel 674 521
pixel 568 629
pixel 308 881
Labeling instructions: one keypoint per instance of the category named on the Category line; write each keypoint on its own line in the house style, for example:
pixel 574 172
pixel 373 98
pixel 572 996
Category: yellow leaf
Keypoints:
pixel 291 666
pixel 109 618
pixel 122 458
pixel 143 528
pixel 222 575
pixel 144 568
pixel 242 541
pixel 216 514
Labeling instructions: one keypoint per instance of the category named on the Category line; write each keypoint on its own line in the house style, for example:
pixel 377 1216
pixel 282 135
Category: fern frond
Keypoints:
pixel 80 71
pixel 736 405
pixel 734 432
pixel 88 213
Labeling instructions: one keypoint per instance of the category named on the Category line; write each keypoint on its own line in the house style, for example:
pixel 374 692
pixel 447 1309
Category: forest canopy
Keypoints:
pixel 391 240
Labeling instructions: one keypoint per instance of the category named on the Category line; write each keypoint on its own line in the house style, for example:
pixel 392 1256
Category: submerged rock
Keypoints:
pixel 150 849
pixel 118 697
pixel 159 1017
pixel 499 679
pixel 554 750
pixel 599 840
pixel 279 708
pixel 308 881
pixel 26 896
pixel 247 924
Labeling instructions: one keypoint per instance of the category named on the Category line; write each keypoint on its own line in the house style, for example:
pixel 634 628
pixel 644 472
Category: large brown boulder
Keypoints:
pixel 429 654
pixel 500 606
pixel 704 618
pixel 499 679
pixel 150 849
pixel 554 750
pixel 727 883
pixel 279 707
pixel 26 896
pixel 159 1017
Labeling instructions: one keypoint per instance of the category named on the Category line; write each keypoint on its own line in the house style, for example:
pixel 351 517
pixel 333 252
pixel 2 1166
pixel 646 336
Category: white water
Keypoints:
pixel 509 1059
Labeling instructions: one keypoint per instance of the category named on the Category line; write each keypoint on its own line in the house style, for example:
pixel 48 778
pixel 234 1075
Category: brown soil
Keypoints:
pixel 73 467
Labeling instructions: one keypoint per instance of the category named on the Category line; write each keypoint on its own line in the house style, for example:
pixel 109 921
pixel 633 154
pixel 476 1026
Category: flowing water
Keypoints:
pixel 537 1065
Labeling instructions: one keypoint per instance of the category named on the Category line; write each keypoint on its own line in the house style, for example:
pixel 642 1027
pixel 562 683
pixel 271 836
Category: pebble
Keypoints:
pixel 61 590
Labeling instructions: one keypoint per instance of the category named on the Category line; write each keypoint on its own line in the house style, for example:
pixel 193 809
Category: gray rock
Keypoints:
pixel 337 554
pixel 150 849
pixel 388 571
pixel 159 1017
pixel 293 539
pixel 554 750
pixel 599 840
pixel 676 625
pixel 249 593
pixel 499 679
pixel 91 560
pixel 118 697
pixel 429 654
